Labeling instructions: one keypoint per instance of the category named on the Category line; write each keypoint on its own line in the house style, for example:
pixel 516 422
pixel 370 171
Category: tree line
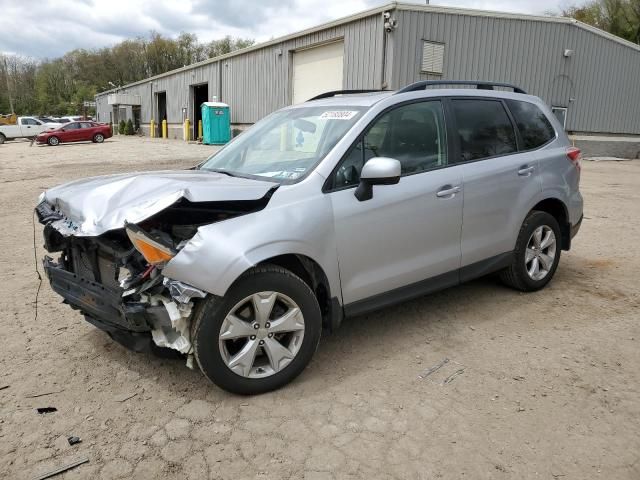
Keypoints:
pixel 59 86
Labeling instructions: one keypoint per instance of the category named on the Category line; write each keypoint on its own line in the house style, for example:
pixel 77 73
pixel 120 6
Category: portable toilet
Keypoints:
pixel 216 123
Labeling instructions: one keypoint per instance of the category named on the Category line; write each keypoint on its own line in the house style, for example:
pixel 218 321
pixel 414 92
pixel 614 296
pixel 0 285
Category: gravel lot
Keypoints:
pixel 543 385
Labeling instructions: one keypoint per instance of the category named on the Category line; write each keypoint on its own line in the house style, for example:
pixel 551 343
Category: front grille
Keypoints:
pixel 95 265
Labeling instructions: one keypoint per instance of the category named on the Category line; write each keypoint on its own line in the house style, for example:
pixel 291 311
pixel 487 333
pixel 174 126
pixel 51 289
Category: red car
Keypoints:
pixel 76 132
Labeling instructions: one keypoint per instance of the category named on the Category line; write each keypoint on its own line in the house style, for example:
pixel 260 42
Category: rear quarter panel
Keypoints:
pixel 559 176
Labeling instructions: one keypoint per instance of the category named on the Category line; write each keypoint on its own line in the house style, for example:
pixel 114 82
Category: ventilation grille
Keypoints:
pixel 432 57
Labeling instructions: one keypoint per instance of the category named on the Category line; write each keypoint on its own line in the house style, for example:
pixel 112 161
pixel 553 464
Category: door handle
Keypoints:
pixel 525 171
pixel 448 191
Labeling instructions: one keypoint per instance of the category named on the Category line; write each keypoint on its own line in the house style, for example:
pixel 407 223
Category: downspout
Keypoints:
pixel 383 63
pixel 389 24
pixel 220 80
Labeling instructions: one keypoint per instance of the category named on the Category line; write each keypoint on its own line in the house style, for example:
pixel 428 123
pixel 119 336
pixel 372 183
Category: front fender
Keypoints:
pixel 219 253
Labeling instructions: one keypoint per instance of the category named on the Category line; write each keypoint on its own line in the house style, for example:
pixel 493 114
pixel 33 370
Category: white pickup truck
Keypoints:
pixel 26 127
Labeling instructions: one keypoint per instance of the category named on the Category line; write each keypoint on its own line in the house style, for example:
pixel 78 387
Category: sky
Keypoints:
pixel 49 28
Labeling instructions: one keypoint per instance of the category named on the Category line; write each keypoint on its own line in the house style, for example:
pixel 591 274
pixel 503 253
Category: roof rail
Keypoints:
pixel 480 85
pixel 341 92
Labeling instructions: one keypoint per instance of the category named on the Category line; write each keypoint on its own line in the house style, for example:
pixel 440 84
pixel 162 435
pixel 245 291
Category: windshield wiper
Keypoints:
pixel 219 170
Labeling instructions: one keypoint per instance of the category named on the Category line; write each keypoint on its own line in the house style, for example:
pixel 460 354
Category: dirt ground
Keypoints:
pixel 543 385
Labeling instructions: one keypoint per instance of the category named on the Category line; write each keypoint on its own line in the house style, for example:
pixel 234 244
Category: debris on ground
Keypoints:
pixel 453 376
pixel 63 469
pixel 74 440
pixel 2 387
pixel 36 395
pixel 434 369
pixel 124 396
pixel 43 410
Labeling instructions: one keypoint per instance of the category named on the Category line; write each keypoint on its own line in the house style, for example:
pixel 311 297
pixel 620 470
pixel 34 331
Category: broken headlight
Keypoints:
pixel 154 250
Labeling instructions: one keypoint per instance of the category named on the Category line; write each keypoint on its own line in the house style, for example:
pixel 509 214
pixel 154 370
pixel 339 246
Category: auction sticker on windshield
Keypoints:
pixel 339 115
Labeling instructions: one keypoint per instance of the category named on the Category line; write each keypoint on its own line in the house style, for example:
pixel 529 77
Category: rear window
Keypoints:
pixel 535 128
pixel 484 129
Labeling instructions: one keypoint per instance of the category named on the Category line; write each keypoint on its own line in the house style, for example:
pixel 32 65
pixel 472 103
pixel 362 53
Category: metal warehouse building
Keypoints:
pixel 589 77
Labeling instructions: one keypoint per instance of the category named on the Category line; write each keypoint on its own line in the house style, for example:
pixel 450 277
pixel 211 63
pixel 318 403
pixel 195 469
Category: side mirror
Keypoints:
pixel 377 171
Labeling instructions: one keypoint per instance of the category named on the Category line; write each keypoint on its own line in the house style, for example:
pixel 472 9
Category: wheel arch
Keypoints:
pixel 558 210
pixel 314 276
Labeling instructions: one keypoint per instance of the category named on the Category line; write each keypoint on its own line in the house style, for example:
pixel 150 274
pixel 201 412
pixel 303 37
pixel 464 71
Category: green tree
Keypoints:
pixel 128 129
pixel 619 17
pixel 59 86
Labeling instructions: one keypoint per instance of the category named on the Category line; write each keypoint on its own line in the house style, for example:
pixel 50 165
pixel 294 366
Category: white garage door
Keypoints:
pixel 317 70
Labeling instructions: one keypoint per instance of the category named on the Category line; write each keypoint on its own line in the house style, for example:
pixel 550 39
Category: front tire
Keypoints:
pixel 537 253
pixel 2 138
pixel 260 335
pixel 98 138
pixel 53 141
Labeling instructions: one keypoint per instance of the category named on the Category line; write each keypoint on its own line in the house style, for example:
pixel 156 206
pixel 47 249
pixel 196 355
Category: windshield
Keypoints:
pixel 285 145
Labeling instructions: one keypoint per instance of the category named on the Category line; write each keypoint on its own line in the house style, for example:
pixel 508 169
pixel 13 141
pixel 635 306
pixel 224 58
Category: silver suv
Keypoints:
pixel 335 207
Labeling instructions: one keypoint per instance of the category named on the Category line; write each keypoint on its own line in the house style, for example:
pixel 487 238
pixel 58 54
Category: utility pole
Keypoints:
pixel 6 74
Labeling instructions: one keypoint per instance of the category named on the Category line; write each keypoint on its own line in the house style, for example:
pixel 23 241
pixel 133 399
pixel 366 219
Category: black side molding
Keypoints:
pixel 402 294
pixel 430 285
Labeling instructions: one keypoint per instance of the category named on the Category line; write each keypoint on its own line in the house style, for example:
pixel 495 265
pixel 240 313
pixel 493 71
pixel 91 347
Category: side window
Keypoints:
pixel 484 129
pixel 29 121
pixel 535 128
pixel 86 125
pixel 72 126
pixel 413 134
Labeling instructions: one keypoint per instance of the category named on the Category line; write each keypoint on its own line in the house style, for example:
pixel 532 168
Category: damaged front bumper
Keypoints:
pixel 155 313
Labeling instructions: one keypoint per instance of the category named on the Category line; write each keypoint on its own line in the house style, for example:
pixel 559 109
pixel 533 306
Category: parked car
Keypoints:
pixel 69 119
pixel 47 120
pixel 76 132
pixel 26 127
pixel 364 201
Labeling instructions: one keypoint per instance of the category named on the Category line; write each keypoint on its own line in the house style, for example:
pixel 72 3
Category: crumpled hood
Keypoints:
pixel 95 205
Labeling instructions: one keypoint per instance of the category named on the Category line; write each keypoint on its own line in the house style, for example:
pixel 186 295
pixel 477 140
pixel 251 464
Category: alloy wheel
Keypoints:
pixel 541 253
pixel 261 335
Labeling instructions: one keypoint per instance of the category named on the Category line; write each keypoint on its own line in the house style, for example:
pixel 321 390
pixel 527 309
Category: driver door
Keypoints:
pixel 72 132
pixel 405 241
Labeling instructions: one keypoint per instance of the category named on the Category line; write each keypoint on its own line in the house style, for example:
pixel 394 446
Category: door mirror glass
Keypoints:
pixel 377 171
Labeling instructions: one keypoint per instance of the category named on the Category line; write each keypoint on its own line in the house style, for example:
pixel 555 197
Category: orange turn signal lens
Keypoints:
pixel 154 252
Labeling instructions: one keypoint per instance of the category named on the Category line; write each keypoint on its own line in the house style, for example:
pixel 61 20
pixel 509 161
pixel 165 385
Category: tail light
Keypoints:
pixel 573 154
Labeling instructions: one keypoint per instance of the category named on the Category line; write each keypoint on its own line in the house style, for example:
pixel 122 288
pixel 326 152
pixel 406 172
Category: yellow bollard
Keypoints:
pixel 187 130
pixel 164 129
pixel 199 128
pixel 152 129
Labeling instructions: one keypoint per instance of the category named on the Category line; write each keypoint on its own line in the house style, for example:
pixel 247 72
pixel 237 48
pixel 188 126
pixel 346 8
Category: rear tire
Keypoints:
pixel 224 328
pixel 98 138
pixel 2 139
pixel 53 141
pixel 537 253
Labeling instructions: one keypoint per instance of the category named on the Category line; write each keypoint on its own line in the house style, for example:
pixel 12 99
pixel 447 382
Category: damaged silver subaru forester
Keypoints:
pixel 241 261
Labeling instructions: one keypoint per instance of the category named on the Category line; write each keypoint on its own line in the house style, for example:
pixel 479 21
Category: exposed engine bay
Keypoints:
pixel 115 279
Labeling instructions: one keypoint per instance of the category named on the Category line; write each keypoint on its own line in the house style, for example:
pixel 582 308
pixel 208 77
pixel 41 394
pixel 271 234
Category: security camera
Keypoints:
pixel 386 15
pixel 390 25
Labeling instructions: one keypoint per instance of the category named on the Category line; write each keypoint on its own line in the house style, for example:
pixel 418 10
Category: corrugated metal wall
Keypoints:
pixel 599 83
pixel 258 82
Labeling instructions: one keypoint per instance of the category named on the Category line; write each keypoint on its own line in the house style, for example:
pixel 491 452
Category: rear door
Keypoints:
pixel 409 232
pixel 88 130
pixel 499 181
